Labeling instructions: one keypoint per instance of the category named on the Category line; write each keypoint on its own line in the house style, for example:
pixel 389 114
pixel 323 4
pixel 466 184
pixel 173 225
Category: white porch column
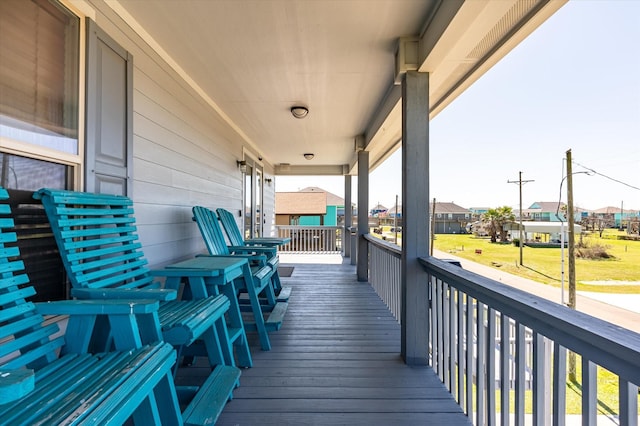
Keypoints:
pixel 415 216
pixel 362 267
pixel 348 218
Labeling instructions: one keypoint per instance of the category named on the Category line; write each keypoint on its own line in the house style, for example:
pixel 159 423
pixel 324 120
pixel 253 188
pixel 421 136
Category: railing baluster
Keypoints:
pixel 441 330
pixel 491 367
pixel 481 379
pixel 461 343
pixel 540 373
pixel 452 340
pixel 469 347
pixel 559 384
pixel 446 296
pixel 589 392
pixel 520 374
pixel 628 403
pixel 505 364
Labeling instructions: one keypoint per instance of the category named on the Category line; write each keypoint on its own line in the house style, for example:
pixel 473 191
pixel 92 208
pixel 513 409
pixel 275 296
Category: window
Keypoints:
pixel 39 104
pixel 39 54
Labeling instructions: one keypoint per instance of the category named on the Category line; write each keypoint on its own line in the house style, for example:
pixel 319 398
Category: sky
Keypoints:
pixel 572 84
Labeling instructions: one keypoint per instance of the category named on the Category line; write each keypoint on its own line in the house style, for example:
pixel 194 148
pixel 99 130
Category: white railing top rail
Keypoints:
pixel 608 345
pixel 391 248
pixel 307 227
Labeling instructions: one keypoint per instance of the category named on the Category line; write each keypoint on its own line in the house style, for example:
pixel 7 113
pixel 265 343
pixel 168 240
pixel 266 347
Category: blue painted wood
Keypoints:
pixel 54 380
pixel 97 239
pixel 217 275
pixel 235 236
pixel 207 405
pixel 255 281
pixel 15 384
pixel 267 246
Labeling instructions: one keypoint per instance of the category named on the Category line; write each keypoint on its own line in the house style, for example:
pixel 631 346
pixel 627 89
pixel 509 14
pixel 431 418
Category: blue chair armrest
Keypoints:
pixel 160 294
pixel 130 324
pixel 97 307
pixel 15 384
pixel 261 259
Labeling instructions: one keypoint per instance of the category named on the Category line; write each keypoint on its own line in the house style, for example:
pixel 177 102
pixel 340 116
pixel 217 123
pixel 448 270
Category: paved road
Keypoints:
pixel 606 311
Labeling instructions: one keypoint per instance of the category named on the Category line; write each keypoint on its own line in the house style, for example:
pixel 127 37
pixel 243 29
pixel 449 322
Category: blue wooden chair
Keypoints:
pixel 265 245
pixel 256 280
pixel 98 242
pixel 46 378
pixel 235 236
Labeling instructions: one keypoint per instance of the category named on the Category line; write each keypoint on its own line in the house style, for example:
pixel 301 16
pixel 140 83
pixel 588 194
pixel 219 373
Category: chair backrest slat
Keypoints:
pixel 25 342
pixel 97 238
pixel 207 221
pixel 230 227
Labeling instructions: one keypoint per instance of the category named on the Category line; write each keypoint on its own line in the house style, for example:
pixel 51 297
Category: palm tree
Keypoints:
pixel 497 218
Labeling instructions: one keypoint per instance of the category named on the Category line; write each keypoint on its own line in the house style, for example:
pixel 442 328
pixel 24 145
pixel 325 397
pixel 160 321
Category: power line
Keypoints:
pixel 605 176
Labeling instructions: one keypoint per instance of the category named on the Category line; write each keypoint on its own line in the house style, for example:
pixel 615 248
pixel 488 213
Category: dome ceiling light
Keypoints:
pixel 299 111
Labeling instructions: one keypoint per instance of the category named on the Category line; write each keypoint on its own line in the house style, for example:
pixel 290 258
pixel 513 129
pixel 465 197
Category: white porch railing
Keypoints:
pixel 311 239
pixel 517 341
pixel 384 273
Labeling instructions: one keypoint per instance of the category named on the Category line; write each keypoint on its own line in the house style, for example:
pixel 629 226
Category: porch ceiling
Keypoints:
pixel 252 60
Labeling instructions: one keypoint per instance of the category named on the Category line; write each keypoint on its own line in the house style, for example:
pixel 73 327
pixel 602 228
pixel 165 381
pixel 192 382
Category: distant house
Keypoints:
pixel 478 212
pixel 551 211
pixel 616 216
pixel 378 211
pixel 311 206
pixel 395 212
pixel 294 207
pixel 450 218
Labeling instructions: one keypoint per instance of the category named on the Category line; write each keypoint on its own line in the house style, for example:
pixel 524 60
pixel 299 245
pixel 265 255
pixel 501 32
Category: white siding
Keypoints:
pixel 184 154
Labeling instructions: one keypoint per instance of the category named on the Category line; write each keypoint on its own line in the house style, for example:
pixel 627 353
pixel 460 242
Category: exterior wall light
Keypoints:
pixel 242 165
pixel 299 111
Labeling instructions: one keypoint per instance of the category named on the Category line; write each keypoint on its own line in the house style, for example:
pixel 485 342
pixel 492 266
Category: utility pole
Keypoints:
pixel 572 258
pixel 570 223
pixel 433 224
pixel 520 182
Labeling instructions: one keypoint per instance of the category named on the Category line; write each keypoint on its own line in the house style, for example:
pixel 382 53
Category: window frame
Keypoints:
pixel 75 162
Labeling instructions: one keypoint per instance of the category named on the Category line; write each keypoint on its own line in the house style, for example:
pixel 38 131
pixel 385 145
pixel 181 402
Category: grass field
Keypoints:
pixel 544 264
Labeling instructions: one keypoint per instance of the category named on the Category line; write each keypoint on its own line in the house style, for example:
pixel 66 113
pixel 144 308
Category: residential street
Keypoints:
pixel 612 311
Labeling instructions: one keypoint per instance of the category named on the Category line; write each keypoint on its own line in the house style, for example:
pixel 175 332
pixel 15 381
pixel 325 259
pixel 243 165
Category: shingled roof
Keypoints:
pixel 332 199
pixel 301 203
pixel 448 208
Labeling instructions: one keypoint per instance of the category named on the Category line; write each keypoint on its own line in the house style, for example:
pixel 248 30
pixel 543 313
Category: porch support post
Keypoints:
pixel 362 267
pixel 415 217
pixel 348 218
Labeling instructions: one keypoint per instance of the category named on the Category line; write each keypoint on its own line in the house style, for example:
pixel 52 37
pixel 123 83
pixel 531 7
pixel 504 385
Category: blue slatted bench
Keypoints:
pixel 255 281
pixel 45 379
pixel 97 238
pixel 264 245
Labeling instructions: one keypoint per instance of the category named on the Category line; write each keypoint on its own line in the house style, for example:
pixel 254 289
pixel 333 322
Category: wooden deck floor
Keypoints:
pixel 336 361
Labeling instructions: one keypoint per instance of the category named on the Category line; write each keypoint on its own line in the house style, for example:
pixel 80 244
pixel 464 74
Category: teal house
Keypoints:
pixel 311 206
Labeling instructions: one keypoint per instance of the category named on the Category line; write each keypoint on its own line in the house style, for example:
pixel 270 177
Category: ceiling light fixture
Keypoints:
pixel 299 111
pixel 309 156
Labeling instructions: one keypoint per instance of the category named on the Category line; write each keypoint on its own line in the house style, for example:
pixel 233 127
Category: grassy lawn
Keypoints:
pixel 543 264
